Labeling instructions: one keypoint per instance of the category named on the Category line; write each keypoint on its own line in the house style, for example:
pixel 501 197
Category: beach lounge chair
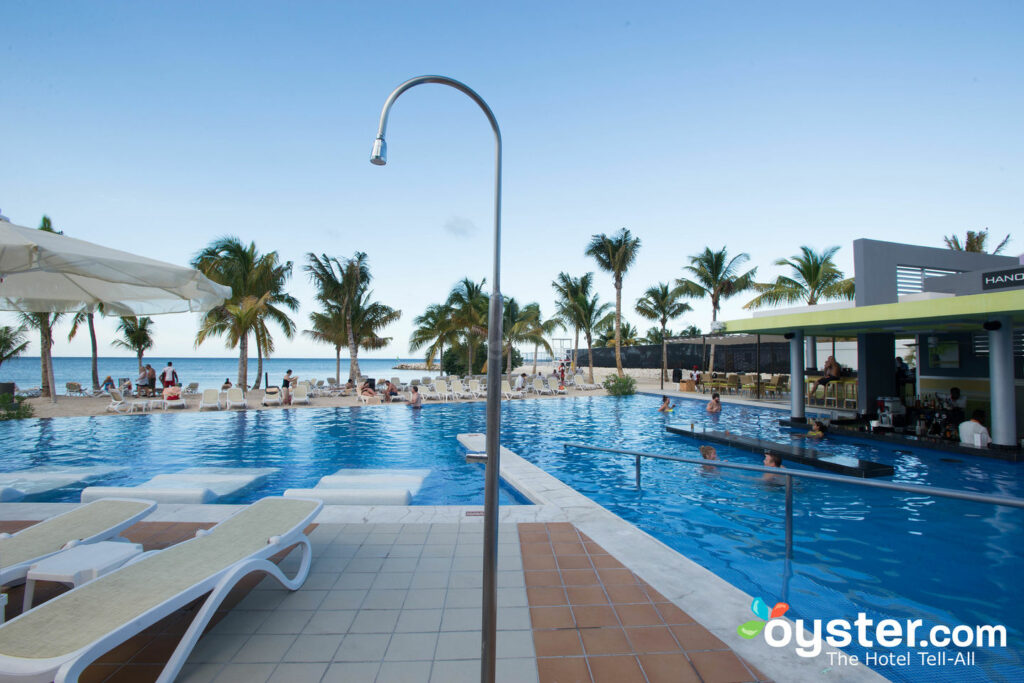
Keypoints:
pixel 117 403
pixel 476 389
pixel 60 638
pixel 300 394
pixel 538 386
pixel 584 384
pixel 271 397
pixel 97 521
pixel 75 389
pixel 508 392
pixel 458 391
pixel 210 399
pixel 236 399
pixel 191 390
pixel 442 390
pixel 555 385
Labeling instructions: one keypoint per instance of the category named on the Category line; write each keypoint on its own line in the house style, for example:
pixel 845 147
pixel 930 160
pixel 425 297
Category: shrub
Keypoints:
pixel 619 386
pixel 14 407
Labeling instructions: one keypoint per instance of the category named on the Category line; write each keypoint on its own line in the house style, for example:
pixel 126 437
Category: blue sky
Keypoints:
pixel 758 126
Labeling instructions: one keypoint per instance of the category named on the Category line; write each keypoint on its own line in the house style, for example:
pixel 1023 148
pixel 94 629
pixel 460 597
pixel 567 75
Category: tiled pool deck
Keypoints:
pixel 394 595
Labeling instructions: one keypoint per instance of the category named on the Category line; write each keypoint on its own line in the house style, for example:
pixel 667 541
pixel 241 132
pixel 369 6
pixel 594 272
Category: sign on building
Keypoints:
pixel 1003 279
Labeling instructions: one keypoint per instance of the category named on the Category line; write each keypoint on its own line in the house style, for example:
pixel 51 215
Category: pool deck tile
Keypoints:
pixel 597 624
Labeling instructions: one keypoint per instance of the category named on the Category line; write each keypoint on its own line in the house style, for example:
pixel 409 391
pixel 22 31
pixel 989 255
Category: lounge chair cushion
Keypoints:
pixel 123 596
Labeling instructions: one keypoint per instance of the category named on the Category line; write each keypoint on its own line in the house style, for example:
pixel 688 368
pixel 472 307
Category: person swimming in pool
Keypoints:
pixel 715 404
pixel 817 431
pixel 665 406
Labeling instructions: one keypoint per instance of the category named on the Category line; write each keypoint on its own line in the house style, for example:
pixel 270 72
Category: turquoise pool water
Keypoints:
pixel 303 444
pixel 890 555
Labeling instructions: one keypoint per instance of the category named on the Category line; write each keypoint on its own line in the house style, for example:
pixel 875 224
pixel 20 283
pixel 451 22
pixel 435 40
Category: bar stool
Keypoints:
pixel 850 394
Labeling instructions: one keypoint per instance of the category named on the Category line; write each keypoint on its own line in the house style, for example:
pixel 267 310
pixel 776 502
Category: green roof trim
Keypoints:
pixel 949 314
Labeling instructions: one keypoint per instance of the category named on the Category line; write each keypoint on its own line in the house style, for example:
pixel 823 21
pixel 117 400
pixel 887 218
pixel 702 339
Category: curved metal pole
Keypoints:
pixel 488 640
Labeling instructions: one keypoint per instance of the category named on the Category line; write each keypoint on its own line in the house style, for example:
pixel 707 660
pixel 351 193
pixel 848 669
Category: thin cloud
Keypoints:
pixel 459 226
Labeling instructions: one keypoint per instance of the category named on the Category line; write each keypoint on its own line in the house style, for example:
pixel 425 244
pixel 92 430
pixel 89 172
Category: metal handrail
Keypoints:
pixel 1008 501
pixel 892 486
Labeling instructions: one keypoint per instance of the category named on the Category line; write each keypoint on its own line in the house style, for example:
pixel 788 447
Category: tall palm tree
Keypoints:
pixel 369 318
pixel 340 283
pixel 615 255
pixel 136 335
pixel 593 316
pixel 662 303
pixel 87 315
pixel 521 325
pixel 329 328
pixel 12 342
pixel 546 328
pixel 468 303
pixel 568 289
pixel 628 335
pixel 257 284
pixel 433 330
pixel 974 241
pixel 814 278
pixel 717 276
pixel 44 322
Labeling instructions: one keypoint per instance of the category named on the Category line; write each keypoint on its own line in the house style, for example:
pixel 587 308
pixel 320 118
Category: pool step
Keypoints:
pixel 476 447
pixel 822 460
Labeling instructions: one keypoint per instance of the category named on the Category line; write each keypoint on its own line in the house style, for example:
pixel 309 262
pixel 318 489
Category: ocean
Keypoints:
pixel 209 372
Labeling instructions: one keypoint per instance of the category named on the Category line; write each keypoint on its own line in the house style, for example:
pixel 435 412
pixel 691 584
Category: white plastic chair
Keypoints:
pixel 210 399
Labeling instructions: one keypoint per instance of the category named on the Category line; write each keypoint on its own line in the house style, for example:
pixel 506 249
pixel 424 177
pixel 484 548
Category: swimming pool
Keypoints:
pixel 891 555
pixel 303 445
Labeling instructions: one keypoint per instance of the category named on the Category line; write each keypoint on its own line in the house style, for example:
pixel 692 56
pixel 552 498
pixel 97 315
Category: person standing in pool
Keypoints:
pixel 415 399
pixel 665 406
pixel 715 404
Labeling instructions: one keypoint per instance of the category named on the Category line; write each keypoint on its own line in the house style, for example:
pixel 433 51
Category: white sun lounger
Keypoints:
pixel 365 487
pixel 97 521
pixel 39 481
pixel 271 399
pixel 236 399
pixel 192 485
pixel 60 638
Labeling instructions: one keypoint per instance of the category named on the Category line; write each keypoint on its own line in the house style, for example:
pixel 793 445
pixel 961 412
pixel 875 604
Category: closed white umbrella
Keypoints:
pixel 43 272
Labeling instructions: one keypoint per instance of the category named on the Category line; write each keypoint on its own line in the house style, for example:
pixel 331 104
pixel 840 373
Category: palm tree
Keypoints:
pixel 468 303
pixel 628 335
pixel 341 284
pixel 368 319
pixel 87 315
pixel 433 330
pixel 592 317
pixel 662 303
pixel 257 294
pixel 974 241
pixel 329 328
pixel 546 328
pixel 12 342
pixel 521 325
pixel 814 278
pixel 44 322
pixel 615 255
pixel 717 276
pixel 136 335
pixel 568 290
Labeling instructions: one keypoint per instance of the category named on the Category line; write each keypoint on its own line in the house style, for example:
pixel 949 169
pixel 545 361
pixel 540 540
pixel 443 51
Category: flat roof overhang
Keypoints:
pixel 949 314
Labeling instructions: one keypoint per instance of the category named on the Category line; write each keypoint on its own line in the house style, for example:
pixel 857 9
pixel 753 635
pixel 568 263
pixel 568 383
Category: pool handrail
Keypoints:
pixel 941 492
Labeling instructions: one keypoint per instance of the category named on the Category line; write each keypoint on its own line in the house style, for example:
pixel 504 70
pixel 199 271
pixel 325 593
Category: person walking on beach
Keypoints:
pixel 169 377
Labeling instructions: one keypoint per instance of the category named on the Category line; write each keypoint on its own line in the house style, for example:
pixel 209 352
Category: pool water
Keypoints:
pixel 303 444
pixel 888 554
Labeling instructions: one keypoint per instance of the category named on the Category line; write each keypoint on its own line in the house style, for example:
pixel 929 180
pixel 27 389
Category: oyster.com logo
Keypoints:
pixel 750 629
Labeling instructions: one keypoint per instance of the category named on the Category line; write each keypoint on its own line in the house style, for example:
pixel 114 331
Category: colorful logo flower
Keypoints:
pixel 759 607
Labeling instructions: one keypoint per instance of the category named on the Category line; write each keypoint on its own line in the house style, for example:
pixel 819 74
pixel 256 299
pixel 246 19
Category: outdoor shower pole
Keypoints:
pixel 488 639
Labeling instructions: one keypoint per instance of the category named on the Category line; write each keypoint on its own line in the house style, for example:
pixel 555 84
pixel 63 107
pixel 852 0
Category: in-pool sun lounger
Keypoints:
pixel 365 487
pixel 192 485
pixel 39 481
pixel 60 638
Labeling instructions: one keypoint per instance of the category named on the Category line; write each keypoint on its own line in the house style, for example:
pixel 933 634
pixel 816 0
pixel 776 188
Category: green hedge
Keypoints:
pixel 619 386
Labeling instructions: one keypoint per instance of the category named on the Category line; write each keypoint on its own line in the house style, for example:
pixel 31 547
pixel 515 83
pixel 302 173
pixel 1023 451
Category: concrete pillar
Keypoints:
pixel 810 352
pixel 796 377
pixel 1001 382
pixel 876 370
